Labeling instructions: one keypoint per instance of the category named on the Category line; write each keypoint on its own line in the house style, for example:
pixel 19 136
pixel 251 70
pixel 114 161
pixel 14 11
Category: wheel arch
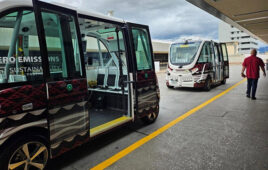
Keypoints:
pixel 41 132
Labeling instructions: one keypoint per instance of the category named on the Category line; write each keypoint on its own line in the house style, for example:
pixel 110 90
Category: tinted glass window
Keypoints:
pixel 205 55
pixel 224 52
pixel 217 60
pixel 183 53
pixel 142 49
pixel 62 45
pixel 55 45
pixel 76 51
pixel 92 55
pixel 20 58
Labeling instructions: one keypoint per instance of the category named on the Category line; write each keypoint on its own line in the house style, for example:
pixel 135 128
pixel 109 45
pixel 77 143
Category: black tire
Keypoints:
pixel 151 117
pixel 13 153
pixel 170 87
pixel 223 81
pixel 207 84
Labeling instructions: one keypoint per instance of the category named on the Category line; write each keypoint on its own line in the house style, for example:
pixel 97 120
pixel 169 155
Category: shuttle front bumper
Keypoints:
pixel 186 80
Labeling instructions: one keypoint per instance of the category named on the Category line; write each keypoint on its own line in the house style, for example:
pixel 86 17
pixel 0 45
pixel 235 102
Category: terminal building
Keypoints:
pixel 245 42
pixel 160 50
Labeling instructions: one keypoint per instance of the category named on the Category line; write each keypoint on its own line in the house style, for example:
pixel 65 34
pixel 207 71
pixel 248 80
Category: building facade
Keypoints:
pixel 232 48
pixel 228 33
pixel 160 50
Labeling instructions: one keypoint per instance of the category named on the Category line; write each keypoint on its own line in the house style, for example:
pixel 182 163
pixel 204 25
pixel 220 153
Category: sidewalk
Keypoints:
pixel 230 133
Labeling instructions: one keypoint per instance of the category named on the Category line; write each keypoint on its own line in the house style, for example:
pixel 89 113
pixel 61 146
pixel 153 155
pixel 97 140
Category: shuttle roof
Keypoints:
pixel 8 4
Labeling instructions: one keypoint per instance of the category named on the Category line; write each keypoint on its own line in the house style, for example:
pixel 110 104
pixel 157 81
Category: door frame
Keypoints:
pixel 130 64
pixel 221 62
pixel 37 5
pixel 217 64
pixel 225 75
pixel 129 27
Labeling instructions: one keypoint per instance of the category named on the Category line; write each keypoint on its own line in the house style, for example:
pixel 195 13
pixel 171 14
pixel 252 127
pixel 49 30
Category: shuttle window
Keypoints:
pixel 183 54
pixel 92 55
pixel 105 56
pixel 96 53
pixel 205 55
pixel 20 58
pixel 217 57
pixel 142 49
pixel 62 45
pixel 224 52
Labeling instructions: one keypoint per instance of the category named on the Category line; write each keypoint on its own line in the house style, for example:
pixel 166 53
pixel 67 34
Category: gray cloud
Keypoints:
pixel 168 20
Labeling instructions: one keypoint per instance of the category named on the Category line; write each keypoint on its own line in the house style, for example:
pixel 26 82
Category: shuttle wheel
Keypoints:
pixel 170 87
pixel 223 81
pixel 151 117
pixel 207 84
pixel 25 153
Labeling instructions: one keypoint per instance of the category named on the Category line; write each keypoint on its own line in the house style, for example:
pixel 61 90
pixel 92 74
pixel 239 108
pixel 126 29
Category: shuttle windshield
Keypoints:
pixel 183 54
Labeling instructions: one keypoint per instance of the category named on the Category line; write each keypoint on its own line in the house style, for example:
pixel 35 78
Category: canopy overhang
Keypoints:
pixel 251 16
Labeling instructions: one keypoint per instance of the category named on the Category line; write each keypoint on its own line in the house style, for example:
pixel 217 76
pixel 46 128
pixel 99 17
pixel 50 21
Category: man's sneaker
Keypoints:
pixel 253 98
pixel 248 96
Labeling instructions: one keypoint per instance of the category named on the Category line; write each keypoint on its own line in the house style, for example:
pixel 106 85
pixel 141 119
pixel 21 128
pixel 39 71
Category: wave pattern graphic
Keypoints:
pixel 21 119
pixel 67 107
pixel 6 133
pixel 67 129
pixel 22 115
pixel 67 122
pixel 69 143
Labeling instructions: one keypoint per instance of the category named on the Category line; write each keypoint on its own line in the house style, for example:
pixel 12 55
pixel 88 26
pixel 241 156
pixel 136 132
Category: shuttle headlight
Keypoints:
pixel 194 70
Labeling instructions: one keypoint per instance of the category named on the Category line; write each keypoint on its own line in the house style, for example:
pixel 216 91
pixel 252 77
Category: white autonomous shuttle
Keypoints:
pixel 197 64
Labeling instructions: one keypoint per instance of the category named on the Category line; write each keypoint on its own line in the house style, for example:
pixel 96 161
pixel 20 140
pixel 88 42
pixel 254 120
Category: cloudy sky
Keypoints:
pixel 168 19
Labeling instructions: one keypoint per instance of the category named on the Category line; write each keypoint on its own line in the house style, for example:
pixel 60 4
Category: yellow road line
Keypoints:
pixel 144 140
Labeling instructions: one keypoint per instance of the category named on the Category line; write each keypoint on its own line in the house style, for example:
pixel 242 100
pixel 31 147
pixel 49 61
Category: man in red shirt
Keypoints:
pixel 252 64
